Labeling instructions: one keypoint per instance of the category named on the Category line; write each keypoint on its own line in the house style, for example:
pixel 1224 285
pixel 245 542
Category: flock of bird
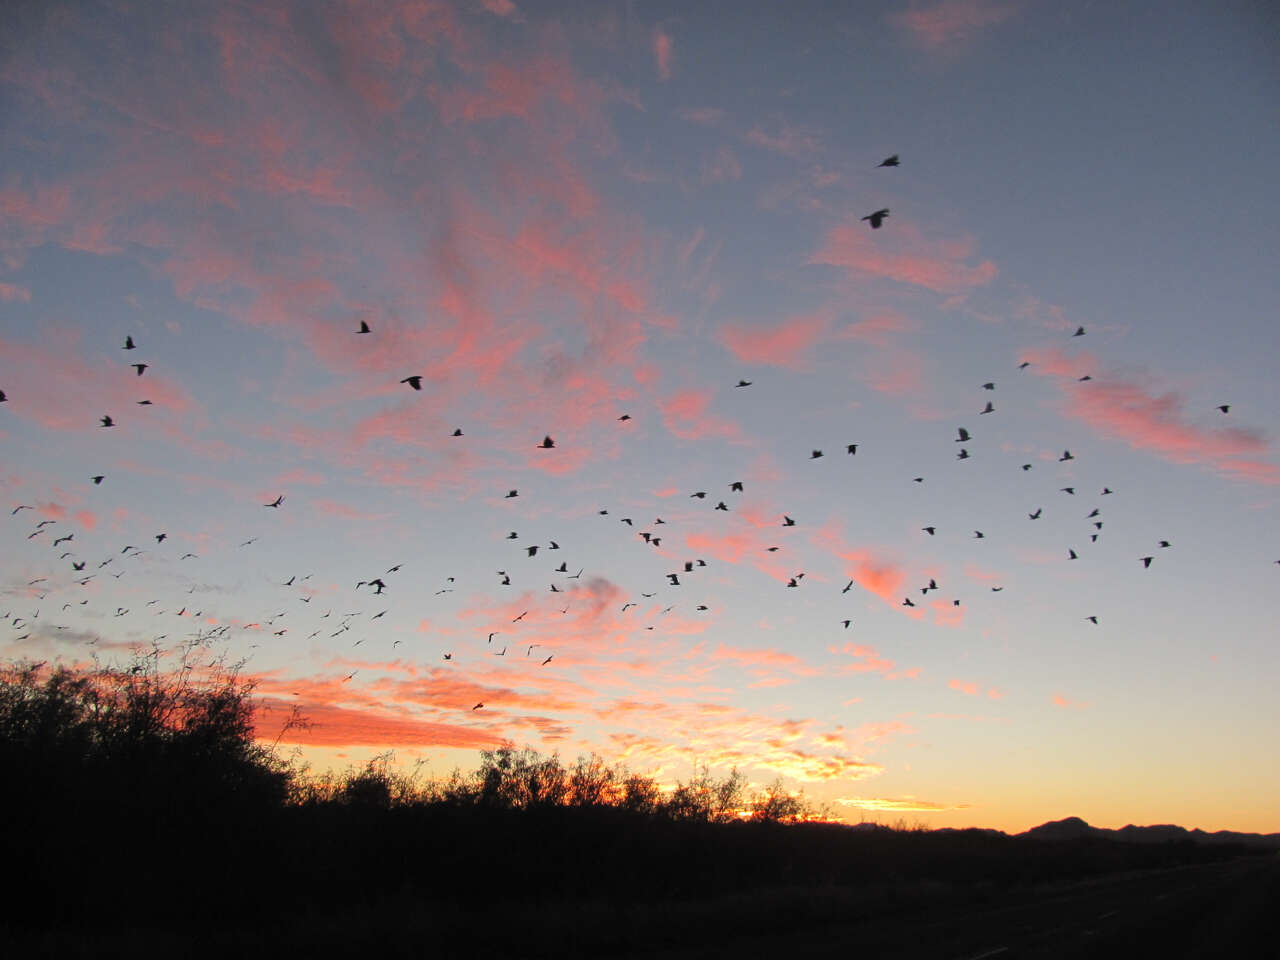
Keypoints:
pixel 356 622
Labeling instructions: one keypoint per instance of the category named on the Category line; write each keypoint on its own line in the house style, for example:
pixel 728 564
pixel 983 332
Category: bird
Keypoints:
pixel 477 706
pixel 144 403
pixel 457 432
pixel 736 486
pixel 721 505
pixel 963 435
pixel 1024 364
pixel 65 539
pixel 1079 332
pixel 521 617
pixel 510 494
pixel 851 448
pixel 21 506
pixel 847 587
pixel 1085 379
pixel 988 386
pixel 77 566
pixel 792 582
pixel 846 623
pixel 513 535
pixel 532 549
pixel 1072 555
pixel 548 660
pixel 979 535
pixel 674 578
pixel 187 556
pixel 1164 543
pixel 743 383
pixel 908 602
pixel 3 398
pixel 815 455
pixel 1106 490
pixel 700 494
pixel 963 454
pixel 996 589
pixel 415 381
pixel 107 421
pixel 364 327
pixel 1070 490
pixel 395 569
pixel 989 408
pixel 888 161
pixel 787 521
pixel 1066 455
pixel 97 481
pixel 547 443
pixel 276 502
pixel 877 218
pixel 1036 515
pixel 1225 408
pixel 161 537
pixel 625 416
pixel 139 367
pixel 128 343
pixel 1093 620
pixel 931 531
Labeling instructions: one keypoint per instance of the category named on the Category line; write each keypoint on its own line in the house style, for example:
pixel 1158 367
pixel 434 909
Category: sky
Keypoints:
pixel 591 222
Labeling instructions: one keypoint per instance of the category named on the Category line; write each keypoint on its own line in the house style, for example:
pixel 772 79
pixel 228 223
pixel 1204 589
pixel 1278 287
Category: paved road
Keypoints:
pixel 1209 911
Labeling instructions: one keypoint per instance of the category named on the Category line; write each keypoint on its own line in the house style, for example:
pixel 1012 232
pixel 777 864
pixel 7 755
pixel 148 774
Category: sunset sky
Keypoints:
pixel 560 214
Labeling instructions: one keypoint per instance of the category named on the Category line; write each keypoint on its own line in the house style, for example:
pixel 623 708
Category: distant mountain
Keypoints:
pixel 1074 828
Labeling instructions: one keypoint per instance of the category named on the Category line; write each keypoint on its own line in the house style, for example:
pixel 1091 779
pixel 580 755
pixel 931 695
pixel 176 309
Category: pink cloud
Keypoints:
pixel 789 140
pixel 721 166
pixel 10 292
pixel 787 344
pixel 500 8
pixel 951 23
pixel 1146 420
pixel 964 686
pixel 663 52
pixel 1066 703
pixel 685 415
pixel 906 256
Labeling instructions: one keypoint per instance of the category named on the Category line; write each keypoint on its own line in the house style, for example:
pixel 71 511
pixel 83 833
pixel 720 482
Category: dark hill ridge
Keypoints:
pixel 1073 828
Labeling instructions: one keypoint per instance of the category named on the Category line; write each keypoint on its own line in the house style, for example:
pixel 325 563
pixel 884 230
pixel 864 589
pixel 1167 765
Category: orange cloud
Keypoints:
pixel 898 804
pixel 788 344
pixel 964 686
pixel 906 256
pixel 10 292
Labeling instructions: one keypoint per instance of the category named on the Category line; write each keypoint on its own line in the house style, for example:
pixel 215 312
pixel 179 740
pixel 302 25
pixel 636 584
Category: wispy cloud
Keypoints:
pixel 904 254
pixel 951 24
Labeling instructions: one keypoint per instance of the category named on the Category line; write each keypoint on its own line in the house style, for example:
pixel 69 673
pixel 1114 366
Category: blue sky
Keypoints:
pixel 558 215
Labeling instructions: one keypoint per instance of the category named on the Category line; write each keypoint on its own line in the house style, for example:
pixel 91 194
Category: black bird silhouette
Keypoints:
pixel 888 161
pixel 1070 490
pixel 988 386
pixel 1079 332
pixel 139 367
pixel 988 408
pixel 3 398
pixel 510 494
pixel 1225 408
pixel 625 416
pixel 161 537
pixel 1164 543
pixel 1093 620
pixel 107 422
pixel 787 521
pixel 721 506
pixel 77 566
pixel 521 617
pixel 736 486
pixel 996 589
pixel 877 218
pixel 128 343
pixel 1071 554
pixel 457 432
pixel 1024 364
pixel 674 578
pixel 963 454
pixel 792 582
pixel 547 443
pixel 847 587
pixel 851 448
pixel 98 479
pixel 553 545
pixel 1066 455
pixel 743 383
pixel 144 403
pixel 414 381
pixel 364 327
pixel 477 706
pixel 815 455
pixel 979 535
pixel 1085 379
pixel 21 506
pixel 930 530
pixel 1106 490
pixel 65 539
pixel 276 502
pixel 963 435
pixel 701 495
pixel 1036 515
pixel 532 550
pixel 548 660
pixel 908 602
pixel 513 535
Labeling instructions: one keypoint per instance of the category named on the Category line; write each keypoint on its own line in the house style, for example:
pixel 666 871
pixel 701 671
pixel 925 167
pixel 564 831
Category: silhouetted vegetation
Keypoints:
pixel 139 810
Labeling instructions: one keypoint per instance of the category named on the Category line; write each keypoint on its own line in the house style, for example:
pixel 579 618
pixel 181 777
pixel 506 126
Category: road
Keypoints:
pixel 1206 911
